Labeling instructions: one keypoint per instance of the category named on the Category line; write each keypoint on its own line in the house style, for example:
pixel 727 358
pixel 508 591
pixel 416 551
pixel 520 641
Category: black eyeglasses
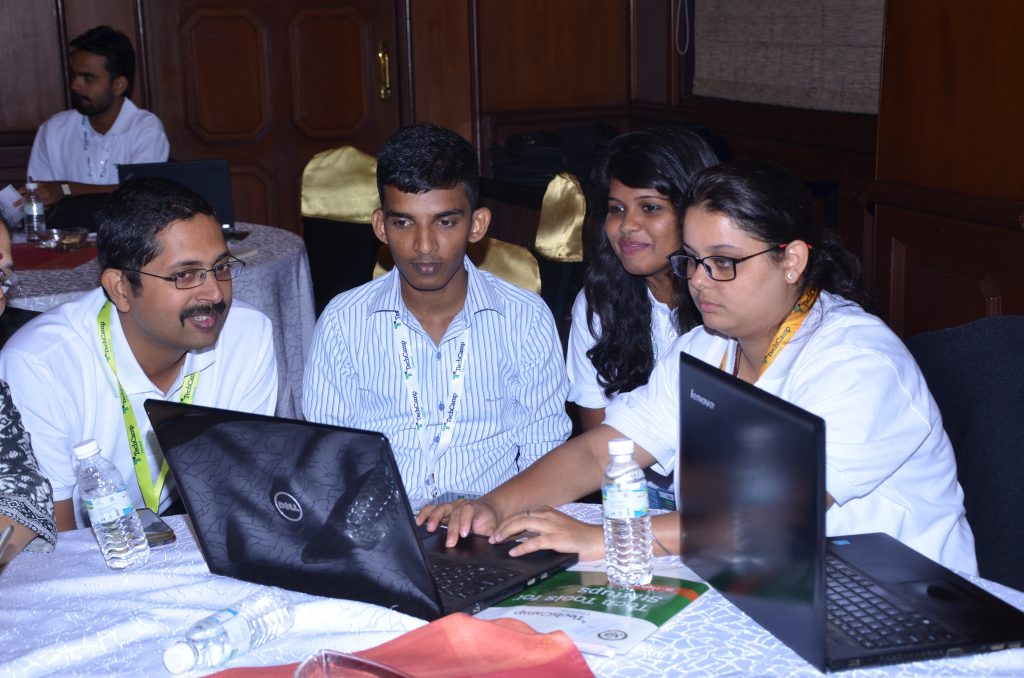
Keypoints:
pixel 194 277
pixel 722 269
pixel 10 286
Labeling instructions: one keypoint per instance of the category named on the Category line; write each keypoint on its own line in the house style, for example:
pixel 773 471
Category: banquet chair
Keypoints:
pixel 559 247
pixel 339 193
pixel 511 263
pixel 976 375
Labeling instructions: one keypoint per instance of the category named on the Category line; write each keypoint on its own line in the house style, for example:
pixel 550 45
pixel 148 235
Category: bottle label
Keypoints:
pixel 623 501
pixel 236 628
pixel 108 508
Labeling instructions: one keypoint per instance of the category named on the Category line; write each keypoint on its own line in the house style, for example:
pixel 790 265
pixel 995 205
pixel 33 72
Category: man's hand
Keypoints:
pixel 462 517
pixel 48 191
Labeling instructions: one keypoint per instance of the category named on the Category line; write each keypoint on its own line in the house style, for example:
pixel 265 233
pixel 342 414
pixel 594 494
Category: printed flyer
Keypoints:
pixel 600 619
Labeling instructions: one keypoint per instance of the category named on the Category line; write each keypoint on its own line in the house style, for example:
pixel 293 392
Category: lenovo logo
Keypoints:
pixel 710 404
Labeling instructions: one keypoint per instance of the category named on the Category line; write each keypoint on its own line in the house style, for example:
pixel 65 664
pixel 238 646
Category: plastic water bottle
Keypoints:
pixel 233 631
pixel 628 551
pixel 35 215
pixel 114 520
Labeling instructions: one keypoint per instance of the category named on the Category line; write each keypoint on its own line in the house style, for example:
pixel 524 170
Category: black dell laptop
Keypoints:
pixel 322 509
pixel 752 482
pixel 208 178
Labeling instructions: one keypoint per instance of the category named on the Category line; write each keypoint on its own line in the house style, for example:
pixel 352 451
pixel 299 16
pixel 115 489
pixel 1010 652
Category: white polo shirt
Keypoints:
pixel 67 393
pixel 67 148
pixel 889 464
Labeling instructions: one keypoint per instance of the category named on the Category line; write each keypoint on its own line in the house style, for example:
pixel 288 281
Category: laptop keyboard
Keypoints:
pixel 466 580
pixel 869 619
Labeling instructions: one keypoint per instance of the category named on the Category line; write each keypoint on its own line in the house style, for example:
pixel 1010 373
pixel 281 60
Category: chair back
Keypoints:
pixel 340 184
pixel 339 195
pixel 976 375
pixel 511 263
pixel 559 245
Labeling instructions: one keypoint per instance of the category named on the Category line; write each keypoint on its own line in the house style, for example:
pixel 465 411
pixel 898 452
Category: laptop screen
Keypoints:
pixel 751 479
pixel 208 178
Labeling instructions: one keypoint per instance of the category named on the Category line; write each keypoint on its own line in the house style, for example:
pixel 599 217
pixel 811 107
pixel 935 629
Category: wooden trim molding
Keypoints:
pixel 1002 213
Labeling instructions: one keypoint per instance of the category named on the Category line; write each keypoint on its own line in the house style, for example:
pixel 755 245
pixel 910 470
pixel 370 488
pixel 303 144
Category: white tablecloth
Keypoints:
pixel 276 280
pixel 65 613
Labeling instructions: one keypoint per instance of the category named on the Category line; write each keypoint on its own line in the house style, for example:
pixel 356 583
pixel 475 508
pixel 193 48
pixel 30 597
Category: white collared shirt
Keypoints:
pixel 513 409
pixel 67 148
pixel 66 392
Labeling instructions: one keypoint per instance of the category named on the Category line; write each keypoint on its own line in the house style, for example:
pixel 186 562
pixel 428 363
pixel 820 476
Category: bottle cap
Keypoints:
pixel 86 448
pixel 31 185
pixel 620 446
pixel 179 658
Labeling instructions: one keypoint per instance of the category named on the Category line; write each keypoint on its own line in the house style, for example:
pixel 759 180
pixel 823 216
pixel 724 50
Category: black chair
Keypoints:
pixel 976 374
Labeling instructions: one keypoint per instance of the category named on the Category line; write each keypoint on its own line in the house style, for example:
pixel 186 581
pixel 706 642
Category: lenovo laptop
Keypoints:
pixel 208 178
pixel 322 509
pixel 752 480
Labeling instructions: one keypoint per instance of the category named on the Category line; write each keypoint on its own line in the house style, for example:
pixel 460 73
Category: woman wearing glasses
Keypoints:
pixel 781 304
pixel 26 499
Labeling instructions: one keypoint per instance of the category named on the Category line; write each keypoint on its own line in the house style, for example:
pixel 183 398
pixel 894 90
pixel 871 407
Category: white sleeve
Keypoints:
pixel 148 141
pixel 584 389
pixel 260 394
pixel 40 168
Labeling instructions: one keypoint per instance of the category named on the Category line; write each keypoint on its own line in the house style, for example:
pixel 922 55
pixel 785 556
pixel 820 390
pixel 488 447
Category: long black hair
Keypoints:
pixel 665 159
pixel 774 206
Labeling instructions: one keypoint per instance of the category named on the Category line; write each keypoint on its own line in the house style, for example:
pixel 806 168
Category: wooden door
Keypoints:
pixel 269 83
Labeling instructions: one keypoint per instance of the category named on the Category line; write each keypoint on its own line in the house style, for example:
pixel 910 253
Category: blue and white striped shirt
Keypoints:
pixel 513 407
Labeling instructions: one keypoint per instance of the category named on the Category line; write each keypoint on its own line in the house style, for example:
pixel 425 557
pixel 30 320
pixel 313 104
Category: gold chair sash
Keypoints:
pixel 340 184
pixel 511 263
pixel 562 213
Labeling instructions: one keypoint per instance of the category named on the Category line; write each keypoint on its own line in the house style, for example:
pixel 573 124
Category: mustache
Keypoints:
pixel 202 309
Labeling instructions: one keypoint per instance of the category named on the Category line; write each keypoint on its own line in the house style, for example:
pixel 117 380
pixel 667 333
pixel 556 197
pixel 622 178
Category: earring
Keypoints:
pixel 789 276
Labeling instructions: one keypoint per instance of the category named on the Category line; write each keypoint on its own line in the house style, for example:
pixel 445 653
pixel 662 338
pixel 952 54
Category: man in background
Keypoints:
pixel 76 152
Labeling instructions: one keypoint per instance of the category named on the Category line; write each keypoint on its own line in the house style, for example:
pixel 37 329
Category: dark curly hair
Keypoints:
pixel 422 158
pixel 665 159
pixel 134 215
pixel 774 206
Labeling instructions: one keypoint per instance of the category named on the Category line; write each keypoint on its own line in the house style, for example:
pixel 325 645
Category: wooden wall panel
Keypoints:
pixel 443 81
pixel 329 51
pixel 936 278
pixel 32 80
pixel 227 83
pixel 952 97
pixel 255 82
pixel 545 54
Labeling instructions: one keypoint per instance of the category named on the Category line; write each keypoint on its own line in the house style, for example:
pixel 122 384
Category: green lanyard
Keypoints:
pixel 150 490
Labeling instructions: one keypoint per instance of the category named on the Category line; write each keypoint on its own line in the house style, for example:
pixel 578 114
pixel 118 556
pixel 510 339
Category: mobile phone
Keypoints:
pixel 157 531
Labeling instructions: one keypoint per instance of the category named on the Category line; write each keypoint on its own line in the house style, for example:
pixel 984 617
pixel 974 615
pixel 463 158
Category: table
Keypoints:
pixel 67 613
pixel 276 280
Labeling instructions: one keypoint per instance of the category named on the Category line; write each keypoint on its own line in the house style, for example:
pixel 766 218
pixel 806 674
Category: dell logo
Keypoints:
pixel 288 507
pixel 710 404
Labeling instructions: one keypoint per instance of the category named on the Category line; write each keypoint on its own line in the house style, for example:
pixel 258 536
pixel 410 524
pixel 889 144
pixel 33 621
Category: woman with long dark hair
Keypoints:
pixel 637 198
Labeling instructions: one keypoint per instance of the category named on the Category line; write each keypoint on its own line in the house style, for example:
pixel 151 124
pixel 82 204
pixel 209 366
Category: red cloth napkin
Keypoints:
pixel 460 645
pixel 28 257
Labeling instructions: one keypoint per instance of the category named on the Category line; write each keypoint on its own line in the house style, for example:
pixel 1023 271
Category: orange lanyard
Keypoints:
pixel 786 331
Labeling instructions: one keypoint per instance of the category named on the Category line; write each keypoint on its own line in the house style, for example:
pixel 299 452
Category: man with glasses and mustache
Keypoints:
pixel 162 325
pixel 77 151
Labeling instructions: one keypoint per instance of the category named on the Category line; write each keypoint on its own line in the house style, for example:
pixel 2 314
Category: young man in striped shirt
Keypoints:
pixel 462 371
